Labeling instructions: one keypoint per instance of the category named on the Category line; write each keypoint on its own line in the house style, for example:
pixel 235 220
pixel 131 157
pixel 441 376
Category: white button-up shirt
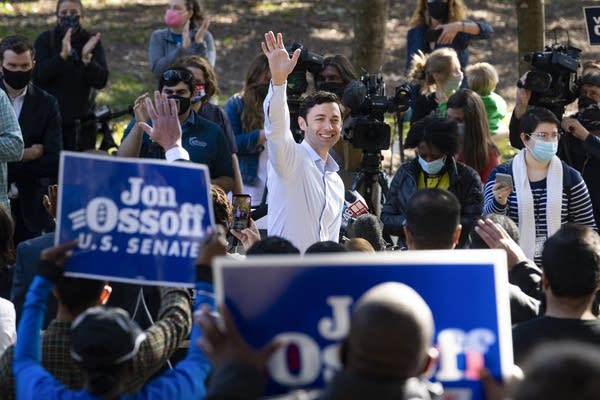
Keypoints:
pixel 306 195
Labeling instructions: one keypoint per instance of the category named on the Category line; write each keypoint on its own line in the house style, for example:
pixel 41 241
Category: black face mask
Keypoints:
pixel 16 79
pixel 69 21
pixel 333 87
pixel 584 102
pixel 183 103
pixel 438 10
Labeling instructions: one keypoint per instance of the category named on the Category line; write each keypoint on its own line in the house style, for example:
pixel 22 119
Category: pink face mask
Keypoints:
pixel 173 18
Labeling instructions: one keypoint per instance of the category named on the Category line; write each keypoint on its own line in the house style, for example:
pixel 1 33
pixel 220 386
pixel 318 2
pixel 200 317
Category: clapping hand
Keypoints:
pixel 90 45
pixel 199 38
pixel 66 45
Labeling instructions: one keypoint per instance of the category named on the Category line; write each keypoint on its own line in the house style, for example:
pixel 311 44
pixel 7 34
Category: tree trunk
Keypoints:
pixel 530 29
pixel 370 20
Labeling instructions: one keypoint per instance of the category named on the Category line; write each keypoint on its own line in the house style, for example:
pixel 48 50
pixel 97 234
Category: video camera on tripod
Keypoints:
pixel 553 77
pixel 297 83
pixel 98 122
pixel 368 102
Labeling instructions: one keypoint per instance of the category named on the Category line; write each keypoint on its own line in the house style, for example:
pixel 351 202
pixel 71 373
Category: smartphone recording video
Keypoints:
pixel 241 211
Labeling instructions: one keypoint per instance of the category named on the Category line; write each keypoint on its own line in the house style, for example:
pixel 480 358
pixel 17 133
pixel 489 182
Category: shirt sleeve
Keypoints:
pixel 280 141
pixel 11 139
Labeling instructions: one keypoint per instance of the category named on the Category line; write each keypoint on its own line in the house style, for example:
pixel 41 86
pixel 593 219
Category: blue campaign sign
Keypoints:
pixel 137 220
pixel 306 304
pixel 592 24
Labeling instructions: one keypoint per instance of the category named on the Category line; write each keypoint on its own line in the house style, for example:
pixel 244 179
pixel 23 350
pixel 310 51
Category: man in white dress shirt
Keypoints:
pixel 306 194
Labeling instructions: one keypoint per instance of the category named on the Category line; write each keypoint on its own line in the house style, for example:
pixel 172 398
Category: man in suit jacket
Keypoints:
pixel 40 121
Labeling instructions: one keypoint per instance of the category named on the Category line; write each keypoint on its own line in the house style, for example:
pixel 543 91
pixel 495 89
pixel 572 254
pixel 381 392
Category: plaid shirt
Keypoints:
pixel 11 143
pixel 163 338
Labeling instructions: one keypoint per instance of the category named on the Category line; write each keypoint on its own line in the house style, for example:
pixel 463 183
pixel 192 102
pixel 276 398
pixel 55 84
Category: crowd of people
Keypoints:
pixel 542 207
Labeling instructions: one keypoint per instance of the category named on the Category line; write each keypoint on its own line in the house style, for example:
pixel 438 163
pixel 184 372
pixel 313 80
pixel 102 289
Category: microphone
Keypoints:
pixel 354 206
pixel 369 227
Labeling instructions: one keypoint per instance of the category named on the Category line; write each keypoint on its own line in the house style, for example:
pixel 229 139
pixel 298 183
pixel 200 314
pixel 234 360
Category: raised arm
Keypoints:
pixel 280 141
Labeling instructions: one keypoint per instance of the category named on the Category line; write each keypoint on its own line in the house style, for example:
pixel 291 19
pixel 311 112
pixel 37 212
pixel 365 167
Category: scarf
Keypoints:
pixel 554 190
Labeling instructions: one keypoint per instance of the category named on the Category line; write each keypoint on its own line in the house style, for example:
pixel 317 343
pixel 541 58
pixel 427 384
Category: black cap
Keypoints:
pixel 592 78
pixel 104 336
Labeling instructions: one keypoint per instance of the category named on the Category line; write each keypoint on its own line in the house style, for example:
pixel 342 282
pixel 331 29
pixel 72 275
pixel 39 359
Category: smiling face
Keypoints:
pixel 322 127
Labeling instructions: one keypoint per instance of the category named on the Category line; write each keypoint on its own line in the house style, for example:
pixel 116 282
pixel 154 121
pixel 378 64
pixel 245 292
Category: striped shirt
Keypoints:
pixel 576 203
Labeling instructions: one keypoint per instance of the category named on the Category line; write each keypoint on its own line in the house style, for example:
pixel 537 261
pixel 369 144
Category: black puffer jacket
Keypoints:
pixel 465 184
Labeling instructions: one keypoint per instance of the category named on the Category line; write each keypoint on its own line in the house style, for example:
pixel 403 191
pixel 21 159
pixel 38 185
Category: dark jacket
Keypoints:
pixel 70 81
pixel 465 184
pixel 40 123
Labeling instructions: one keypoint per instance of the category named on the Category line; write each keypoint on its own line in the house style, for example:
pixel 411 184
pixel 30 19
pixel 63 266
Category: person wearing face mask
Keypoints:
pixel 186 34
pixel 202 139
pixel 438 76
pixel 71 66
pixel 40 122
pixel 205 80
pixel 436 141
pixel 443 23
pixel 477 149
pixel 245 112
pixel 580 147
pixel 546 192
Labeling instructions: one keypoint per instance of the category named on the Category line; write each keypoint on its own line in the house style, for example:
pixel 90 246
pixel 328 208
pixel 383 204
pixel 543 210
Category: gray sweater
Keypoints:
pixel 163 50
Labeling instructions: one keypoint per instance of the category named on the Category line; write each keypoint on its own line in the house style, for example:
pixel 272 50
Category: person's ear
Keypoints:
pixel 456 235
pixel 524 137
pixel 302 123
pixel 546 282
pixel 343 353
pixel 408 237
pixel 430 363
pixel 105 295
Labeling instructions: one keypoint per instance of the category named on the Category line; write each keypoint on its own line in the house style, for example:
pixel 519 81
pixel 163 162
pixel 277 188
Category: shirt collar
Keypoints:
pixel 191 119
pixel 330 164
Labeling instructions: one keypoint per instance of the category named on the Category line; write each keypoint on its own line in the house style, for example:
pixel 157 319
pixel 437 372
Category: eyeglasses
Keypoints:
pixel 546 136
pixel 177 75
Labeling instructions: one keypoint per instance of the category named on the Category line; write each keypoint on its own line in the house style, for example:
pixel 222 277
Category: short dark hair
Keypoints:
pixel 432 216
pixel 272 245
pixel 571 260
pixel 16 43
pixel 316 98
pixel 173 76
pixel 556 371
pixel 435 131
pixel 328 246
pixel 535 116
pixel 501 219
pixel 79 294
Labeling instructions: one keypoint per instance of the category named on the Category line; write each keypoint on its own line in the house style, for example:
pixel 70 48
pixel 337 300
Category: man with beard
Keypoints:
pixel 40 122
pixel 202 139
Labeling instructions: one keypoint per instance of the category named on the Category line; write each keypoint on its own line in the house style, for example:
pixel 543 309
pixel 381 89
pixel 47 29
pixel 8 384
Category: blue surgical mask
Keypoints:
pixel 544 151
pixel 434 167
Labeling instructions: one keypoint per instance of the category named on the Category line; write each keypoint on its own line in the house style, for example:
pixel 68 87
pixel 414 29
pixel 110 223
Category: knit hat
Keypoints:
pixel 104 336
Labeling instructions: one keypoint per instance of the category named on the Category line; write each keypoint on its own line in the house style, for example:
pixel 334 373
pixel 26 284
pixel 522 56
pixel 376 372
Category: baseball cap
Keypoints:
pixel 104 336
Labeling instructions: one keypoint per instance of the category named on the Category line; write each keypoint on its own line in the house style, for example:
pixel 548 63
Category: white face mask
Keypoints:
pixel 452 84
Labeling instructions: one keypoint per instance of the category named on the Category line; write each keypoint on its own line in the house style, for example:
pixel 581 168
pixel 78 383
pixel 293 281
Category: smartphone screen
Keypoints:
pixel 504 180
pixel 241 211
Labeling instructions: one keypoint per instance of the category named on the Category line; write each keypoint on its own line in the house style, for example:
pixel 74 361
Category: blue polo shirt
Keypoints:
pixel 204 141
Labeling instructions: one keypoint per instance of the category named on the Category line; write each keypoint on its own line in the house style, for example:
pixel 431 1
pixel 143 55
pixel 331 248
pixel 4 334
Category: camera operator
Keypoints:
pixel 305 193
pixel 580 147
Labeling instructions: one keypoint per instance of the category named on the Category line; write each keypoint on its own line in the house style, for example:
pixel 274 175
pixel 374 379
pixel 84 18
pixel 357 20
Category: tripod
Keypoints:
pixel 368 176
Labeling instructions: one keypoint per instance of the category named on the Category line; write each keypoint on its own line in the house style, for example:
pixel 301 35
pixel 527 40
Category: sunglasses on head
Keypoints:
pixel 177 75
